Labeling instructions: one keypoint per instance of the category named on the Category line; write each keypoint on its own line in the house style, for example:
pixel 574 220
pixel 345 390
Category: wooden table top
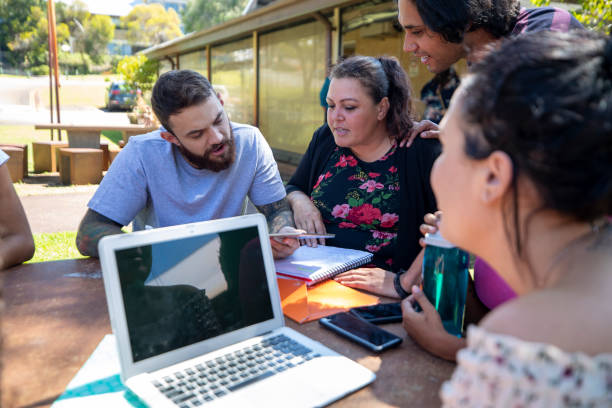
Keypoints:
pixel 55 314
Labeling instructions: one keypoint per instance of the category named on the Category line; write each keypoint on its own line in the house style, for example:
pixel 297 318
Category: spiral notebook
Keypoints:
pixel 317 264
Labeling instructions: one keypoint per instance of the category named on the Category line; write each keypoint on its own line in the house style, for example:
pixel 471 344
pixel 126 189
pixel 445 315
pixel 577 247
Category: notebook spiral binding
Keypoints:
pixel 344 267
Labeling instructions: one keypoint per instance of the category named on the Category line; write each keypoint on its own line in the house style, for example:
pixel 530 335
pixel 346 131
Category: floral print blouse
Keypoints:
pixel 359 202
pixel 502 371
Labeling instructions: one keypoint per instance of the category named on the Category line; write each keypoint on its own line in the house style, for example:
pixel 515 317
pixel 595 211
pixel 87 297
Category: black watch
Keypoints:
pixel 398 286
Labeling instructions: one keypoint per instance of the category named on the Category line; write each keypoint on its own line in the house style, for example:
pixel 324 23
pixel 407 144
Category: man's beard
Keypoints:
pixel 204 162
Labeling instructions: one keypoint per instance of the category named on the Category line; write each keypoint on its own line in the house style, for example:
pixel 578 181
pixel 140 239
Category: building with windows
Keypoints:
pixel 176 5
pixel 274 60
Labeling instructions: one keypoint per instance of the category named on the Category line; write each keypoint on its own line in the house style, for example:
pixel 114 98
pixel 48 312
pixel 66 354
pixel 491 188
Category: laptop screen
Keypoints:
pixel 183 291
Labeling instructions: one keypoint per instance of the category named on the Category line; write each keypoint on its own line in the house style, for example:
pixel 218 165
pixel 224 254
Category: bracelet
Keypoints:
pixel 398 286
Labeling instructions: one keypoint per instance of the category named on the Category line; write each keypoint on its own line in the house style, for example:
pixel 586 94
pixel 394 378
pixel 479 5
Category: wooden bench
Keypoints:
pixel 80 165
pixel 15 164
pixel 24 161
pixel 46 155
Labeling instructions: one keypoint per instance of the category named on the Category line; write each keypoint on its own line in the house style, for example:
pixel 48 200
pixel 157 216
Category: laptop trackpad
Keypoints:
pixel 315 383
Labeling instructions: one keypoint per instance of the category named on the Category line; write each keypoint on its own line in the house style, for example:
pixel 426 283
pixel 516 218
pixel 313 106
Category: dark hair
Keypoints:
pixel 177 90
pixel 497 17
pixel 382 77
pixel 546 100
pixel 452 19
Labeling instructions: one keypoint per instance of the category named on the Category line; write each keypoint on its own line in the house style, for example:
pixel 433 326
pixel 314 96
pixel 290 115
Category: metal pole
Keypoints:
pixel 328 40
pixel 50 68
pixel 255 78
pixel 55 62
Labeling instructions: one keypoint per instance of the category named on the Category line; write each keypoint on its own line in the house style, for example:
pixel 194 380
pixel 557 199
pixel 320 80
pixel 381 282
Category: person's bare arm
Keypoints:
pixel 278 214
pixel 16 242
pixel 280 219
pixel 380 281
pixel 93 227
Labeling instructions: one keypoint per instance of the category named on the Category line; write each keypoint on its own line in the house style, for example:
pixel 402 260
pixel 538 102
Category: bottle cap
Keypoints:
pixel 437 240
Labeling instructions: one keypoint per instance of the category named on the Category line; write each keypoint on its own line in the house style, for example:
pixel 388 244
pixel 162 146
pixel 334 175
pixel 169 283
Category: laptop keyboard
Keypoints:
pixel 215 378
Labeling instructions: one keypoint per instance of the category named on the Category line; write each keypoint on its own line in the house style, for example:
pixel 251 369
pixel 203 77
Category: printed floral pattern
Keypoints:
pixel 503 371
pixel 359 202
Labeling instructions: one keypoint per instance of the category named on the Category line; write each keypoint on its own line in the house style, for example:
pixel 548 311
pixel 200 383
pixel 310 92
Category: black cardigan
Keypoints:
pixel 416 196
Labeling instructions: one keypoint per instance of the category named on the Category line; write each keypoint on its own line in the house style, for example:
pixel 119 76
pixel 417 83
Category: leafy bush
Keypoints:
pixel 138 72
pixel 74 63
pixel 40 70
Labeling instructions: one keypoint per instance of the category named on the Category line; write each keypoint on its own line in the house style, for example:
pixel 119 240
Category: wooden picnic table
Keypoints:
pixel 55 315
pixel 88 136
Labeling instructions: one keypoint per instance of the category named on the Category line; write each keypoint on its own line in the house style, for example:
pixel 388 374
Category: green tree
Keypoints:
pixel 31 45
pixel 137 71
pixel 14 19
pixel 201 14
pixel 74 15
pixel 593 14
pixel 150 24
pixel 99 31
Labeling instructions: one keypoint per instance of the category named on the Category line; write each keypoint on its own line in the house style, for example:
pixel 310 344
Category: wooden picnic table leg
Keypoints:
pixel 84 139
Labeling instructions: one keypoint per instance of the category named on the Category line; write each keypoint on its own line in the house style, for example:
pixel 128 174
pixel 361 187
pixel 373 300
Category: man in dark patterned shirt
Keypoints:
pixel 436 94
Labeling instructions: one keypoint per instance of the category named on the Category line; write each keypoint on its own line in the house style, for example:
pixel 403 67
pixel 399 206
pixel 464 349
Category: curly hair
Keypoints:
pixel 383 76
pixel 546 100
pixel 452 19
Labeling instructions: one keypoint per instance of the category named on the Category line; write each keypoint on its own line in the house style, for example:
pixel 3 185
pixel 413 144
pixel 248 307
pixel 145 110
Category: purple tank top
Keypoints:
pixel 491 289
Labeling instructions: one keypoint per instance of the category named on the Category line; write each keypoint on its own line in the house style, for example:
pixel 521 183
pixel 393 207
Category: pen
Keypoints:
pixel 301 236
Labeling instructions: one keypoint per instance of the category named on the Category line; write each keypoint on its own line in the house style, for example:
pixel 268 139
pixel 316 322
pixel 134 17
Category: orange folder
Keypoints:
pixel 303 304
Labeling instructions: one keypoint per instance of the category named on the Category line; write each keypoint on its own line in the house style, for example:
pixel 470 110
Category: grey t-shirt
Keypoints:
pixel 150 178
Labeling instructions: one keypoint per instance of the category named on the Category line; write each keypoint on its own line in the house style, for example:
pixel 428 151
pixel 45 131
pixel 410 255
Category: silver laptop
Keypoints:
pixel 196 313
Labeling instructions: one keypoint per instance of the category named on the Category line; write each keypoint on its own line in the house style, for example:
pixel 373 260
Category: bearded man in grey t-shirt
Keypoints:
pixel 198 166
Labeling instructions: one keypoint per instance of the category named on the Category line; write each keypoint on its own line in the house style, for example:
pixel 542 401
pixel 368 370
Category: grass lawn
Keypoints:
pixel 58 245
pixel 55 246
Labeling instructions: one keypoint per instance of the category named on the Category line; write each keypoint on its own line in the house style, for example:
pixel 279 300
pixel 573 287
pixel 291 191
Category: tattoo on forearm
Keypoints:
pixel 93 227
pixel 278 214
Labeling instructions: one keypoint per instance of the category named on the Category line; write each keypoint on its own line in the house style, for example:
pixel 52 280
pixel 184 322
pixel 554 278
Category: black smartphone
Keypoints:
pixel 381 313
pixel 360 331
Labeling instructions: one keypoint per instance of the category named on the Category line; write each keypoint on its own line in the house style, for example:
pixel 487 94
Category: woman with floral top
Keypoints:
pixel 356 182
pixel 525 182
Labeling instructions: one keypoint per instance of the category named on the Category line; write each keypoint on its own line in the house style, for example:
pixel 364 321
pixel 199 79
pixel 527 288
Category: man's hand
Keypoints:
pixel 283 247
pixel 425 128
pixel 375 280
pixel 426 328
pixel 307 216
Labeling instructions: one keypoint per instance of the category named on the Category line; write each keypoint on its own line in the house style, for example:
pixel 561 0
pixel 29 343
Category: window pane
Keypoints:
pixel 164 66
pixel 292 71
pixel 232 72
pixel 195 61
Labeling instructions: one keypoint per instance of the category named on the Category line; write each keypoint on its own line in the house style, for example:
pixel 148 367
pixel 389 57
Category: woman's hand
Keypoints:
pixel 375 280
pixel 430 226
pixel 425 128
pixel 426 327
pixel 306 216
